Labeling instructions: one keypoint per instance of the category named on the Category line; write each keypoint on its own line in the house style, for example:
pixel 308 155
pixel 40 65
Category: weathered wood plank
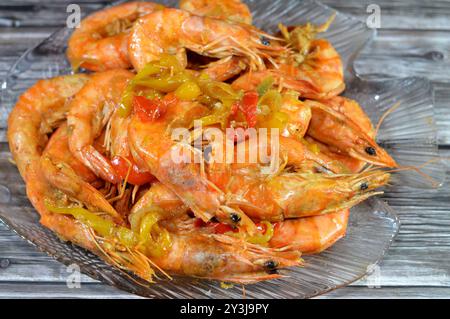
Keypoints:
pixel 405 53
pixel 389 293
pixel 22 290
pixel 99 291
pixel 15 41
pixel 41 13
pixel 396 14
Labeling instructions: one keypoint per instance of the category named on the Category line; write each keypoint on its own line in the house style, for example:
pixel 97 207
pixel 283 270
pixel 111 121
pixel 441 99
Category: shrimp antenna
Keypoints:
pixel 418 170
pixel 113 259
pixel 383 117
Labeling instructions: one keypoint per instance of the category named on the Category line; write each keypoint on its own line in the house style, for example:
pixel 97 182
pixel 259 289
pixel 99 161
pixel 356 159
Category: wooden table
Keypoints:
pixel 414 39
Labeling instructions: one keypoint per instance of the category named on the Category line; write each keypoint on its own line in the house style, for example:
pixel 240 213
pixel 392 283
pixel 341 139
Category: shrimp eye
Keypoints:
pixel 265 41
pixel 363 186
pixel 235 218
pixel 270 265
pixel 370 150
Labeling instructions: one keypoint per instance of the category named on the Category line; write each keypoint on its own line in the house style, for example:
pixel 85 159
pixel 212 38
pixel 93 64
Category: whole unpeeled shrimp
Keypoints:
pixel 347 163
pixel 224 258
pixel 344 113
pixel 90 111
pixel 299 195
pixel 319 76
pixel 275 198
pixel 101 41
pixel 173 31
pixel 312 67
pixel 310 235
pixel 307 234
pixel 232 10
pixel 37 112
pixel 342 133
pixel 66 173
pixel 353 111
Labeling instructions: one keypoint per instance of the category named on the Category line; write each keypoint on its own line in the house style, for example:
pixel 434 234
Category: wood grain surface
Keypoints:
pixel 414 40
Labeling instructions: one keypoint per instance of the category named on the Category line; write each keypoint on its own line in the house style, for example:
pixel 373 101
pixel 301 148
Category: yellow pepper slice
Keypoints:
pixel 100 225
pixel 264 238
pixel 164 75
pixel 219 116
pixel 275 120
pixel 188 91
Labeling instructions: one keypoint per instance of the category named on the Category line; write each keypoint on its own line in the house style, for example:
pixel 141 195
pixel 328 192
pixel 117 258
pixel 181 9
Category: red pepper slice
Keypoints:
pixel 149 110
pixel 249 107
pixel 136 177
pixel 199 223
pixel 219 228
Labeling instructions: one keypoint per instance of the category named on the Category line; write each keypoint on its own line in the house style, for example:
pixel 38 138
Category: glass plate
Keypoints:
pixel 409 133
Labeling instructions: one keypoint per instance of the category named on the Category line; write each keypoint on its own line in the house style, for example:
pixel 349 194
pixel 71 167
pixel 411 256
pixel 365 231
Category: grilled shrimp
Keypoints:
pixel 66 173
pixel 310 235
pixel 153 149
pixel 287 195
pixel 173 31
pixel 319 76
pixel 336 130
pixel 90 111
pixel 101 41
pixel 39 191
pixel 231 10
pixel 119 150
pixel 292 195
pixel 298 122
pixel 312 67
pixel 300 195
pixel 37 112
pixel 353 111
pixel 224 258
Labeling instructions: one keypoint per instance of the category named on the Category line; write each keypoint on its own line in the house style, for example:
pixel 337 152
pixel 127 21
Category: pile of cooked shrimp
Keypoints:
pixel 95 148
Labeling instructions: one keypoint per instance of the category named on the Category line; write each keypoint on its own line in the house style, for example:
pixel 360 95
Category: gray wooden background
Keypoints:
pixel 414 39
